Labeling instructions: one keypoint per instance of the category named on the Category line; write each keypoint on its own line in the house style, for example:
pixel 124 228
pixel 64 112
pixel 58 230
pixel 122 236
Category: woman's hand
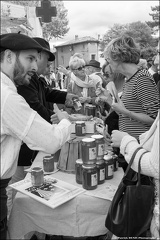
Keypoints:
pixel 85 99
pixel 116 138
pixel 119 107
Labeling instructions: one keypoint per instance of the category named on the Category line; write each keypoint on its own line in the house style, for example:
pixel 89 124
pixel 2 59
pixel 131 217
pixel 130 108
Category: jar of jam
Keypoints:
pixel 90 110
pixel 80 129
pixel 99 145
pixel 88 148
pixel 89 177
pixel 100 171
pixel 37 176
pixel 48 163
pixel 109 166
pixel 76 104
pixel 115 162
pixel 78 169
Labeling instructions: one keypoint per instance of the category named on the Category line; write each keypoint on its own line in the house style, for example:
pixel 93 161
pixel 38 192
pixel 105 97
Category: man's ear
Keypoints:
pixel 10 56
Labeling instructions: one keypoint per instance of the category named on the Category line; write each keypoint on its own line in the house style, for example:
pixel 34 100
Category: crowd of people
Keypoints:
pixel 124 91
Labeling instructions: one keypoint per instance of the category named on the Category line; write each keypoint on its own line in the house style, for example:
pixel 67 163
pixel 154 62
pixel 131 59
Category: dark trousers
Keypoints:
pixel 3 208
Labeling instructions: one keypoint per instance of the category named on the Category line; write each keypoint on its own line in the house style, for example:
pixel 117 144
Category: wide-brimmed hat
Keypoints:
pixel 18 42
pixel 94 63
pixel 45 47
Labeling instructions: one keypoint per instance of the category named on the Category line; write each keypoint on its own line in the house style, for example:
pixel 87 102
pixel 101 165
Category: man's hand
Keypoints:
pixel 59 115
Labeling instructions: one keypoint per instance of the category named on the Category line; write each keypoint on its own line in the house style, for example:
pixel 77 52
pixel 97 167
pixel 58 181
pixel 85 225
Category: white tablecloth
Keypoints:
pixel 82 216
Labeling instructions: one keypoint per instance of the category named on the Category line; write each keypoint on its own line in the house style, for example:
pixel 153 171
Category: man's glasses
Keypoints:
pixel 80 68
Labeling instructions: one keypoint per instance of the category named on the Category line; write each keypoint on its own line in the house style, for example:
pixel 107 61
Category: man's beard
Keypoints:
pixel 19 74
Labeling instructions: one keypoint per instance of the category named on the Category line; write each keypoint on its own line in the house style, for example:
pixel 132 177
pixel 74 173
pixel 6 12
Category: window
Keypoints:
pixel 62 57
pixel 93 56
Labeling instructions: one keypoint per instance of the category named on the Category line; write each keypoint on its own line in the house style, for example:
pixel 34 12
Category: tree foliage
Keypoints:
pixel 141 32
pixel 58 27
pixel 155 16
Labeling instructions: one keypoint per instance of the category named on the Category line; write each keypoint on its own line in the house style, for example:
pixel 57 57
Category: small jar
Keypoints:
pixel 48 163
pixel 88 147
pixel 78 170
pixel 90 110
pixel 80 129
pixel 115 162
pixel 101 171
pixel 89 177
pixel 76 104
pixel 99 145
pixel 109 166
pixel 37 176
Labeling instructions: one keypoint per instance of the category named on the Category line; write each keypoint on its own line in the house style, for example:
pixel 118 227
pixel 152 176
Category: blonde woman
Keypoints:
pixel 80 83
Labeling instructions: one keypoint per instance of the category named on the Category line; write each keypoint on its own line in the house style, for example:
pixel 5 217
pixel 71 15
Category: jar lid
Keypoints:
pixel 48 157
pixel 89 166
pixel 79 122
pixel 107 157
pixel 98 136
pixel 99 162
pixel 79 161
pixel 88 140
pixel 91 106
pixel 36 169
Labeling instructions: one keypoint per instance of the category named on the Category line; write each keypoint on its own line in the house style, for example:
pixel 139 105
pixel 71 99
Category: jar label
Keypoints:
pixel 92 153
pixel 83 130
pixel 110 170
pixel 100 149
pixel 94 180
pixel 102 174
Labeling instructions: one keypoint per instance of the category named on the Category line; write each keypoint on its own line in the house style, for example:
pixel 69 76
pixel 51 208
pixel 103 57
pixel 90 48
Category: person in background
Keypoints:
pixel 20 123
pixel 153 68
pixel 93 69
pixel 52 79
pixel 149 141
pixel 156 63
pixel 80 83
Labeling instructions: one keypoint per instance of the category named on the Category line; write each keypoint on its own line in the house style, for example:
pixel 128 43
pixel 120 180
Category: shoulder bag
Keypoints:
pixel 131 209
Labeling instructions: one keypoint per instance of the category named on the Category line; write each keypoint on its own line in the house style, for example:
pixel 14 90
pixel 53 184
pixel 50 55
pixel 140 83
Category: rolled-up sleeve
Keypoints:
pixel 22 122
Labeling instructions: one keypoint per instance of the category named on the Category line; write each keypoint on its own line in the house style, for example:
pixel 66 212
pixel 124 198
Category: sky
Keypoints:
pixel 91 18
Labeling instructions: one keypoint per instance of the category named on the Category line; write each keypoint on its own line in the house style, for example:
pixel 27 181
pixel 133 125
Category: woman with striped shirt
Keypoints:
pixel 138 106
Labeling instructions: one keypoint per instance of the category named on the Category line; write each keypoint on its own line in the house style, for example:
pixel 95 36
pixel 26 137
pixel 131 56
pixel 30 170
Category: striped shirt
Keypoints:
pixel 140 95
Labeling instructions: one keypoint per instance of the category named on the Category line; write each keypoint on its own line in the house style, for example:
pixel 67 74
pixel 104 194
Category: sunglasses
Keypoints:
pixel 80 68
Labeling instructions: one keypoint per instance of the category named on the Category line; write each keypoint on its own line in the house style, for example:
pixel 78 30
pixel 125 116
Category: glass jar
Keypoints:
pixel 80 129
pixel 37 176
pixel 78 170
pixel 99 145
pixel 89 177
pixel 76 104
pixel 88 147
pixel 101 171
pixel 48 163
pixel 109 166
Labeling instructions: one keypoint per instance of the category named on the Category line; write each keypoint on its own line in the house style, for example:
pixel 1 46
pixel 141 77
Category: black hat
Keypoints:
pixel 94 63
pixel 45 47
pixel 18 42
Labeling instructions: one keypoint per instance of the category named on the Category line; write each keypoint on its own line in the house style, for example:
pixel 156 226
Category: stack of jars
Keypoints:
pixel 95 166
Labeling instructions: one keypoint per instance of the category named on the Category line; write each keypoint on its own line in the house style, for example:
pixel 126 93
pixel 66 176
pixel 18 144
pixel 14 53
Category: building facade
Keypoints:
pixel 87 46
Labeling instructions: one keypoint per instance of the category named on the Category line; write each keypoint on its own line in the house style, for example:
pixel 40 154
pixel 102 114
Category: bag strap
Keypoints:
pixel 139 168
pixel 131 161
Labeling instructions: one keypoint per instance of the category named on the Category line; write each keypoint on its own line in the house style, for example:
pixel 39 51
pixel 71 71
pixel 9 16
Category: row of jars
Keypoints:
pixel 92 175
